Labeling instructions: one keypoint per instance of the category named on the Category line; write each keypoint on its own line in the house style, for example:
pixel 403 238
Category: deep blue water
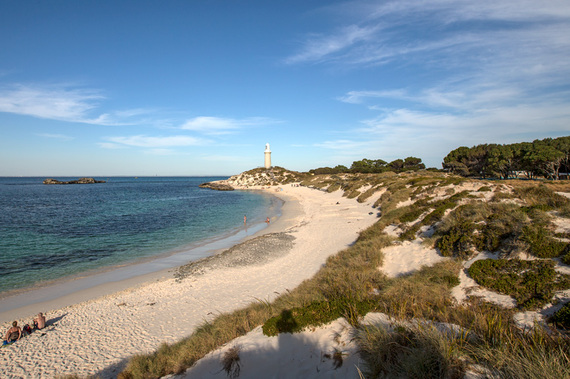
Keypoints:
pixel 48 232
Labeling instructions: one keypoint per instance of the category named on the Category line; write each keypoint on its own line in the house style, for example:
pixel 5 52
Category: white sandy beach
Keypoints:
pixel 99 335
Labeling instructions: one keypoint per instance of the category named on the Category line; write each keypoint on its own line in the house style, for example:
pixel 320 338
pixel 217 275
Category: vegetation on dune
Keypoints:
pixel 516 218
pixel 531 283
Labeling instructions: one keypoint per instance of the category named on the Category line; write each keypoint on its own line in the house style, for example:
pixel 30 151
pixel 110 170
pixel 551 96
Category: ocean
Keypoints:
pixel 51 232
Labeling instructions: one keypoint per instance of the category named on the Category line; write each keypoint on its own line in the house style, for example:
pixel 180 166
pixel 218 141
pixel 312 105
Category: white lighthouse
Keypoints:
pixel 267 156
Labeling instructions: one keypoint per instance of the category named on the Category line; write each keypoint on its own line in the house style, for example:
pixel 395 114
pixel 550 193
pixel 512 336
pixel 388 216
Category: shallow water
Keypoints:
pixel 48 232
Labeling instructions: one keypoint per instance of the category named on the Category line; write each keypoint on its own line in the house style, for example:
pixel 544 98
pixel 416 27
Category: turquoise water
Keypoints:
pixel 48 232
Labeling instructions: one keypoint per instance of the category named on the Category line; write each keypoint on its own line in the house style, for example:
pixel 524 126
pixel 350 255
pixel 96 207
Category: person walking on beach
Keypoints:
pixel 267 221
pixel 40 321
pixel 13 334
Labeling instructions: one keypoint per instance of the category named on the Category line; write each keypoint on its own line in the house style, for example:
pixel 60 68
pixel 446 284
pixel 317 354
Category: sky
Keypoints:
pixel 105 88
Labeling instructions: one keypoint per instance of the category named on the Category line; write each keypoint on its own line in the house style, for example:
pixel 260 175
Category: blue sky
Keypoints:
pixel 105 88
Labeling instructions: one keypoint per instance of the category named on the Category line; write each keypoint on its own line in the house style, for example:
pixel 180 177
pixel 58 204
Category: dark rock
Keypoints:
pixel 78 181
pixel 217 186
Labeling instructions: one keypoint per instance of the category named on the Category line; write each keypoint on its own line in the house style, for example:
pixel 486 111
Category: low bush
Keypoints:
pixel 540 243
pixel 562 316
pixel 315 314
pixel 458 240
pixel 412 214
pixel 531 283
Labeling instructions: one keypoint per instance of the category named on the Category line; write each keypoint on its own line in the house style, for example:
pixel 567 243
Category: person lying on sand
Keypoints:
pixel 13 334
pixel 40 321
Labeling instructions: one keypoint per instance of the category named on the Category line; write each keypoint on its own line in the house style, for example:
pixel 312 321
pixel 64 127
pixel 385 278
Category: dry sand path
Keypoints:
pixel 98 336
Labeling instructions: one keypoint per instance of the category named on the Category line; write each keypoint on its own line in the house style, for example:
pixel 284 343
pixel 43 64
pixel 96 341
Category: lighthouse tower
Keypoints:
pixel 267 156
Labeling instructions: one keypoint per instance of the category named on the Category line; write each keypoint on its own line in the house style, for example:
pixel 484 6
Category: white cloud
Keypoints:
pixel 318 47
pixel 220 125
pixel 469 72
pixel 63 102
pixel 159 142
pixel 53 102
pixel 503 39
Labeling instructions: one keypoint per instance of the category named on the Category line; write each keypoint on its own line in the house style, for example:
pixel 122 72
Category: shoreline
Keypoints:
pixel 97 337
pixel 69 290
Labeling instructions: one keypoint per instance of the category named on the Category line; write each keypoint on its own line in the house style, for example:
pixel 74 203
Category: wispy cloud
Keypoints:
pixel 154 142
pixel 52 102
pixel 63 102
pixel 318 47
pixel 469 72
pixel 220 125
pixel 61 137
pixel 513 37
pixel 344 144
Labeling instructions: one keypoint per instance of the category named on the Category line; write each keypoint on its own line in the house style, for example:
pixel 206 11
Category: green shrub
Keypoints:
pixel 410 233
pixel 541 244
pixel 502 225
pixel 412 214
pixel 315 314
pixel 352 194
pixel 566 259
pixel 531 283
pixel 457 241
pixel 333 187
pixel 562 316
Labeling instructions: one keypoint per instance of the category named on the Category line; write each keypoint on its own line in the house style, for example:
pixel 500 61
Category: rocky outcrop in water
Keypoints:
pixel 78 181
pixel 217 186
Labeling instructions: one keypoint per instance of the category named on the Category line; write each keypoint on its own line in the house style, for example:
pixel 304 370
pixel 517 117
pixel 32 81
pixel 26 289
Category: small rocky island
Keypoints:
pixel 78 181
pixel 217 186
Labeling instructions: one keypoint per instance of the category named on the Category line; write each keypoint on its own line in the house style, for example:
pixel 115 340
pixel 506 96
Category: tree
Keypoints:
pixel 368 166
pixel 500 161
pixel 545 159
pixel 455 161
pixel 540 158
pixel 396 165
pixel 413 163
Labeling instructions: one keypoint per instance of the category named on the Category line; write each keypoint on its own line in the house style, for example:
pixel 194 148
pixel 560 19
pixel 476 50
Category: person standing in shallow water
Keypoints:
pixel 14 333
pixel 244 219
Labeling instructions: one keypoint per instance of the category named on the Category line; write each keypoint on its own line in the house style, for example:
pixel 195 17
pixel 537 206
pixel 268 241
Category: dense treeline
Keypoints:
pixel 374 166
pixel 546 158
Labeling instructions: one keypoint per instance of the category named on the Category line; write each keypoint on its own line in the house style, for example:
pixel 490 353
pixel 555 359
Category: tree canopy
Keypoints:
pixel 373 166
pixel 547 158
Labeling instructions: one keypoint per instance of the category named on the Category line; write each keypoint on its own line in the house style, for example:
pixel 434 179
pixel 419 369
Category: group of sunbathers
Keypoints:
pixel 15 332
